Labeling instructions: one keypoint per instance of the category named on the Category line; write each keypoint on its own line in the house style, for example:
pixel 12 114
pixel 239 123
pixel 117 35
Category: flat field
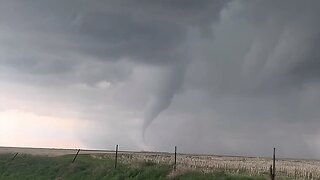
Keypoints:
pixel 95 164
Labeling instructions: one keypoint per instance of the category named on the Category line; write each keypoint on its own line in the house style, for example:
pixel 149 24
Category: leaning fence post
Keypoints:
pixel 75 157
pixel 116 159
pixel 14 156
pixel 175 158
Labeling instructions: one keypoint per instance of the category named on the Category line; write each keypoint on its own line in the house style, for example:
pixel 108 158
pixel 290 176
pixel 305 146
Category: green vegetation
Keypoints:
pixel 85 167
pixel 88 167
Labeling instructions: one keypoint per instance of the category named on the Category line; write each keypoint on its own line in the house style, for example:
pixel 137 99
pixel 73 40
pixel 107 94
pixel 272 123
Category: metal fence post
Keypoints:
pixel 274 163
pixel 175 158
pixel 14 156
pixel 116 159
pixel 75 157
pixel 273 170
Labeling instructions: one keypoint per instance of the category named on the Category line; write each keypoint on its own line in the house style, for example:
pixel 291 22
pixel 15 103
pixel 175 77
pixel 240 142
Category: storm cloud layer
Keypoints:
pixel 225 77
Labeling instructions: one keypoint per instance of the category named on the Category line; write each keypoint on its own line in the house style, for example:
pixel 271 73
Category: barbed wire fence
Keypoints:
pixel 294 169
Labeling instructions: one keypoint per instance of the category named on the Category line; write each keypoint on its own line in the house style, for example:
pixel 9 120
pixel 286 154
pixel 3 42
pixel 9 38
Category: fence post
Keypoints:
pixel 175 158
pixel 116 159
pixel 75 157
pixel 14 156
pixel 273 175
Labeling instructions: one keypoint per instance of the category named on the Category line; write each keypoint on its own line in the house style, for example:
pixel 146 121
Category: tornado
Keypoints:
pixel 170 83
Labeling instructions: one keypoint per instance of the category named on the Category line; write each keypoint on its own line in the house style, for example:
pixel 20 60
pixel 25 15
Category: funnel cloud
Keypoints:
pixel 169 84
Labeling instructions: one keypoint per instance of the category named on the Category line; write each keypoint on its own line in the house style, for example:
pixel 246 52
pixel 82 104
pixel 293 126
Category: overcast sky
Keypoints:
pixel 210 76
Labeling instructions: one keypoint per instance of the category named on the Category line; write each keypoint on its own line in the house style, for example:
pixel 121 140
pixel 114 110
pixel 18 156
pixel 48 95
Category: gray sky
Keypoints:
pixel 223 77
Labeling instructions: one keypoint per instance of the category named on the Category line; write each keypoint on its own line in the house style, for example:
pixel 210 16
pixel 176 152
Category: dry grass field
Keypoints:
pixel 285 168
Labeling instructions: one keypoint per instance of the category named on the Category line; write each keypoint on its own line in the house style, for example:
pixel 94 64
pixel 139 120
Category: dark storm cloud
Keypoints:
pixel 287 36
pixel 260 79
pixel 263 47
pixel 57 36
pixel 128 32
pixel 115 36
pixel 112 29
pixel 230 74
